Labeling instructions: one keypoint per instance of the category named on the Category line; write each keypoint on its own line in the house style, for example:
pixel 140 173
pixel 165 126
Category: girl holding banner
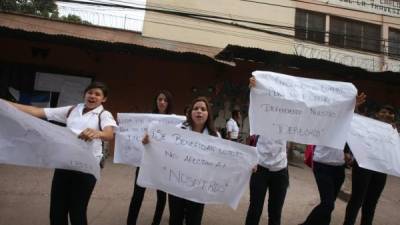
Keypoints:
pixel 367 185
pixel 162 105
pixel 272 174
pixel 199 119
pixel 71 190
pixel 329 172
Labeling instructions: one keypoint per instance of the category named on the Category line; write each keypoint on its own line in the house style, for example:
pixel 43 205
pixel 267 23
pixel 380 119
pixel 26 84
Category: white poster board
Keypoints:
pixel 301 110
pixel 131 129
pixel 71 88
pixel 375 145
pixel 195 166
pixel 29 141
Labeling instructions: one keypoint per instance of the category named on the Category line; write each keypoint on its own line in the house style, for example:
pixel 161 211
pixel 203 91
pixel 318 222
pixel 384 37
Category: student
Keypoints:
pixel 71 190
pixel 367 185
pixel 328 168
pixel 199 119
pixel 329 172
pixel 272 173
pixel 232 126
pixel 162 105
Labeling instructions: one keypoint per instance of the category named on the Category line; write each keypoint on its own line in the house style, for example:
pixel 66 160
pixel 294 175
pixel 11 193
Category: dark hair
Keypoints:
pixel 186 109
pixel 168 95
pixel 235 113
pixel 97 84
pixel 209 122
pixel 387 107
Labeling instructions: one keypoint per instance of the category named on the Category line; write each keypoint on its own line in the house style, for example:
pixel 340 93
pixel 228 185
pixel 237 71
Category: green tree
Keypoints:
pixel 44 8
pixel 74 18
pixel 8 5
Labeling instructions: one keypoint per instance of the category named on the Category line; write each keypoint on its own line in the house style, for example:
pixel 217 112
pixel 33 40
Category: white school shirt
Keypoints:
pixel 271 153
pixel 78 122
pixel 329 156
pixel 232 126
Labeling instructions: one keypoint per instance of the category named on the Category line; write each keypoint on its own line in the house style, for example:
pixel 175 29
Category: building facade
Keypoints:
pixel 361 33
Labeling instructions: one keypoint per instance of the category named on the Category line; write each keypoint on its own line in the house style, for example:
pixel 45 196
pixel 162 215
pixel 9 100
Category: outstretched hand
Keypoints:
pixel 360 99
pixel 252 82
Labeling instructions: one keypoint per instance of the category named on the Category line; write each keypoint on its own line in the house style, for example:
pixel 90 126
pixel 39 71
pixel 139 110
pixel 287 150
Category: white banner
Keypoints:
pixel 29 141
pixel 197 167
pixel 375 145
pixel 301 110
pixel 131 129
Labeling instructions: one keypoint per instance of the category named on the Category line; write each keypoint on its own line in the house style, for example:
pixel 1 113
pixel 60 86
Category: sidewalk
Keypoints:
pixel 24 199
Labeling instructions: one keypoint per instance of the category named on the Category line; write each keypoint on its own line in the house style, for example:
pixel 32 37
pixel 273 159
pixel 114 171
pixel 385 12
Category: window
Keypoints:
pixel 394 43
pixel 310 26
pixel 354 34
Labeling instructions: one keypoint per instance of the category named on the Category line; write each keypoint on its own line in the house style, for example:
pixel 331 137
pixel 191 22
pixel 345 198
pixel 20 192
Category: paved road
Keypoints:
pixel 24 199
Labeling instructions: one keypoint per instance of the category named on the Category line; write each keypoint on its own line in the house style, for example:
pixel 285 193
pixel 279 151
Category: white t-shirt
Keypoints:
pixel 233 128
pixel 329 156
pixel 78 122
pixel 272 153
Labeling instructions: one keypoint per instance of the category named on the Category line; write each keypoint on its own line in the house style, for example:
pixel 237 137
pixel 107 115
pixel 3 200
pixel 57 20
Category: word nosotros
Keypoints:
pixel 188 181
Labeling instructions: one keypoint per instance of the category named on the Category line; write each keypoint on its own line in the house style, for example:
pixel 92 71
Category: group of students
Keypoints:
pixel 71 190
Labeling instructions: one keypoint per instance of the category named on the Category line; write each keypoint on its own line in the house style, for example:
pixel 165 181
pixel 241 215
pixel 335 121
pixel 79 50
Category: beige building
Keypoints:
pixel 362 33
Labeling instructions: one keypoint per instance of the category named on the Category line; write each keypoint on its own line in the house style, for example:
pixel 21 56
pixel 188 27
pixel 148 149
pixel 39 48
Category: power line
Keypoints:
pixel 218 19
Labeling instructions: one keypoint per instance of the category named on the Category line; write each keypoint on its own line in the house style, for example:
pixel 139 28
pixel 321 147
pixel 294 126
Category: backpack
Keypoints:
pixel 104 151
pixel 308 155
pixel 253 139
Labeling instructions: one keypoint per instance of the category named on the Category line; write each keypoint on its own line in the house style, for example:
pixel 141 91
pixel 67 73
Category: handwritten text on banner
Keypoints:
pixel 375 145
pixel 29 141
pixel 194 166
pixel 302 110
pixel 132 127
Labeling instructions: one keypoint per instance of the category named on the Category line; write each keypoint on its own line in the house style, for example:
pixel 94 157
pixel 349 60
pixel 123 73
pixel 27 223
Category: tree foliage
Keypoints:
pixel 43 8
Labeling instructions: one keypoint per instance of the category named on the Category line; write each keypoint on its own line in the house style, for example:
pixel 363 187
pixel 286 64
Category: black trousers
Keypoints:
pixel 180 209
pixel 367 187
pixel 136 203
pixel 70 194
pixel 329 181
pixel 260 181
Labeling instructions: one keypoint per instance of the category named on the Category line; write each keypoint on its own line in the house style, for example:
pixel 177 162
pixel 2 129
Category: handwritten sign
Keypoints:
pixel 375 145
pixel 195 166
pixel 29 141
pixel 132 127
pixel 301 110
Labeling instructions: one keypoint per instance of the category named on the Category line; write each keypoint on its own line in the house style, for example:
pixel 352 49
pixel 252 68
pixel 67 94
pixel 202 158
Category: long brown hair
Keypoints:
pixel 209 122
pixel 170 105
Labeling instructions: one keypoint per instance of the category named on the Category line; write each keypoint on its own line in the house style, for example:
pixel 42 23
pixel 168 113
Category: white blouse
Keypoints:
pixel 77 121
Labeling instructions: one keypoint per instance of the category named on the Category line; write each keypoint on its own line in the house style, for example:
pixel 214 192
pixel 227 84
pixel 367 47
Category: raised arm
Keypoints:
pixel 32 110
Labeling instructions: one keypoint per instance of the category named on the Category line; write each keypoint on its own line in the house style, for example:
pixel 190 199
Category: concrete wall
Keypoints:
pixel 211 34
pixel 281 13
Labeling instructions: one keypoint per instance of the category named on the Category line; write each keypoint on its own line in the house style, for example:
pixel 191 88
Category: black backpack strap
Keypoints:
pixel 101 129
pixel 105 154
pixel 70 110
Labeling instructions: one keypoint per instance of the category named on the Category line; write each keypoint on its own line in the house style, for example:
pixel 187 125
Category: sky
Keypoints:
pixel 128 19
